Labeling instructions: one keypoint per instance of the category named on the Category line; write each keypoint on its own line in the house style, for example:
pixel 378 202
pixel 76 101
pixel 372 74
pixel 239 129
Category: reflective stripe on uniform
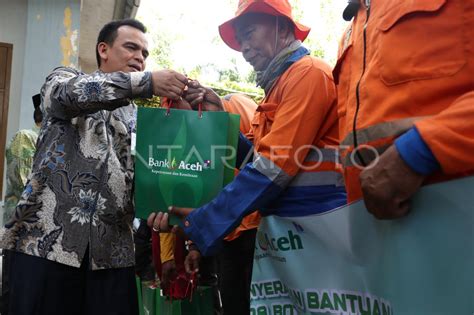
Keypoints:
pixel 382 130
pixel 321 155
pixel 272 171
pixel 368 153
pixel 317 179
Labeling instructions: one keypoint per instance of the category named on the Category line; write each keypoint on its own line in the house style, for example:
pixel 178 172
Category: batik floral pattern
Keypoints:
pixel 93 89
pixel 87 209
pixel 76 199
pixel 54 156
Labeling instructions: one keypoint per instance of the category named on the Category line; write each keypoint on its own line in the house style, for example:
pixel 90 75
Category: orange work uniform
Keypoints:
pixel 294 170
pixel 405 65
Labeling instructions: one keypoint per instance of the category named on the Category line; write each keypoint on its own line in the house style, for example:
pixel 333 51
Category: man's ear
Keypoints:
pixel 103 50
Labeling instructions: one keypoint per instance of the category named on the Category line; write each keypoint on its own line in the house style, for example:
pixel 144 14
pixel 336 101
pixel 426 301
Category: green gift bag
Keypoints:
pixel 148 299
pixel 183 158
pixel 202 303
pixel 139 292
pixel 151 302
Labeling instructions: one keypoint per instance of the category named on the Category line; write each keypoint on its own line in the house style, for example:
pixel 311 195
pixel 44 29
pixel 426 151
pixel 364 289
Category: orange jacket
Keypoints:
pixel 297 115
pixel 418 71
pixel 242 105
pixel 294 170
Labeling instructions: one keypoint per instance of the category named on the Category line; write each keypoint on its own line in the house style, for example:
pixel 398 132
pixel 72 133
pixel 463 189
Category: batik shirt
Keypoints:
pixel 19 155
pixel 79 194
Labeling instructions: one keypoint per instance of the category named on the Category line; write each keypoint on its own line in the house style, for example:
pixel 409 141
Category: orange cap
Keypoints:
pixel 271 7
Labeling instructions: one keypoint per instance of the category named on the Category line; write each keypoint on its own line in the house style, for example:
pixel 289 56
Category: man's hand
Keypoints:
pixel 198 94
pixel 168 83
pixel 168 269
pixel 388 185
pixel 191 262
pixel 181 103
pixel 159 221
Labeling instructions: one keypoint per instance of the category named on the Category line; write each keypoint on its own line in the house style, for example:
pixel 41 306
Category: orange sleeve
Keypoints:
pixel 450 135
pixel 244 106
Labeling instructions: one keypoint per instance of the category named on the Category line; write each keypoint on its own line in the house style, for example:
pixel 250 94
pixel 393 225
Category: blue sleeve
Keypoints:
pixel 250 190
pixel 414 151
pixel 244 151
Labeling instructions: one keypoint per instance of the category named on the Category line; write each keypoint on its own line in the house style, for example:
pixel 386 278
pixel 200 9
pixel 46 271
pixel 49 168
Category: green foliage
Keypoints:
pixel 296 9
pixel 222 88
pixel 230 74
pixel 317 50
pixel 252 77
pixel 162 51
pixel 148 102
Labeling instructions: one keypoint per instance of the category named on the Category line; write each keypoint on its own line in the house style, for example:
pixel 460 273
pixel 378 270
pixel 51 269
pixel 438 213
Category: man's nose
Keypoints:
pixel 139 57
pixel 244 47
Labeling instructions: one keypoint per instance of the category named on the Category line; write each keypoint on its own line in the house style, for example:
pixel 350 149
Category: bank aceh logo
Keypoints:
pixel 182 165
pixel 288 242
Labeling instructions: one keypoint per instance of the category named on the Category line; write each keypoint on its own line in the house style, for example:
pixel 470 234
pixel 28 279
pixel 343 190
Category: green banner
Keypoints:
pixel 182 158
pixel 347 262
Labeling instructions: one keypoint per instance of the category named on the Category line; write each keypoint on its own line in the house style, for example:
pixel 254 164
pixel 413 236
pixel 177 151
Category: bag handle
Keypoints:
pixel 168 103
pixel 191 286
pixel 156 252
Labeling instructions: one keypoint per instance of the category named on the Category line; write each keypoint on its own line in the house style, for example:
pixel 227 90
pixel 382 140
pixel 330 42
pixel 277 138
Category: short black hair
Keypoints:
pixel 108 33
pixel 37 114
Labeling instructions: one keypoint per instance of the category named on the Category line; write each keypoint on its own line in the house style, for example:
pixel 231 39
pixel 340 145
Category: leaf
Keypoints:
pixel 25 213
pixel 102 230
pixel 66 185
pixel 46 244
pixel 81 180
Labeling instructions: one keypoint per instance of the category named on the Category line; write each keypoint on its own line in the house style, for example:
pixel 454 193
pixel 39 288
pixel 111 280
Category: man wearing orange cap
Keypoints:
pixel 294 131
pixel 405 93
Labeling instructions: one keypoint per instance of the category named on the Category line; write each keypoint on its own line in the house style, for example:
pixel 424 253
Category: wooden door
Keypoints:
pixel 5 72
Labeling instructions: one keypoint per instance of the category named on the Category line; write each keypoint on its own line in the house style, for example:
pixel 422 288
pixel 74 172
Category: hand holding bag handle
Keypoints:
pixel 168 104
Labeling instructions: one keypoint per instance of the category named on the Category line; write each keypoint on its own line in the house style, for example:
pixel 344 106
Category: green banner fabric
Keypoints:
pixel 347 262
pixel 183 158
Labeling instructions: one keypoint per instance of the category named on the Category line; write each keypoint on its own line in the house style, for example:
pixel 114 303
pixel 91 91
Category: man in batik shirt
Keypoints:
pixel 71 233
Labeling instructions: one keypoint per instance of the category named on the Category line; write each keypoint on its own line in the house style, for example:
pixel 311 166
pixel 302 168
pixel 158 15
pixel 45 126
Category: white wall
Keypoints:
pixel 13 22
pixel 51 40
pixel 13 17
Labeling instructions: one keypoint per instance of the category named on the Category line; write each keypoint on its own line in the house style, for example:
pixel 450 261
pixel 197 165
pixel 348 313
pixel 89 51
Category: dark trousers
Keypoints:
pixel 39 286
pixel 5 285
pixel 235 273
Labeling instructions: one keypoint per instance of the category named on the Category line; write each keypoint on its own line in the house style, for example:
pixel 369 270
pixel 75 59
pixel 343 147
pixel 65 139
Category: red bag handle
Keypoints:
pixel 179 256
pixel 168 103
pixel 156 252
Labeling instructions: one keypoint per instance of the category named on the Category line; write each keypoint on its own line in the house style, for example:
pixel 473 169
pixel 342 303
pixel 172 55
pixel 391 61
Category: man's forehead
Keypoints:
pixel 129 33
pixel 252 19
